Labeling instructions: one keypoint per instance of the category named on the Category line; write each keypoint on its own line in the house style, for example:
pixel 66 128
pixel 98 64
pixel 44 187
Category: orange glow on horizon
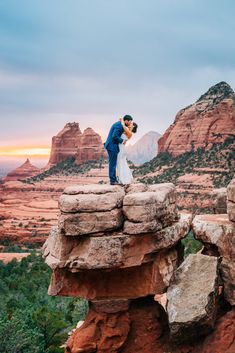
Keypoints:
pixel 25 151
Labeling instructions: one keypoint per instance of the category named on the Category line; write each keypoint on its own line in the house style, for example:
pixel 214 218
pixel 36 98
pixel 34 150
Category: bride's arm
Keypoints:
pixel 126 129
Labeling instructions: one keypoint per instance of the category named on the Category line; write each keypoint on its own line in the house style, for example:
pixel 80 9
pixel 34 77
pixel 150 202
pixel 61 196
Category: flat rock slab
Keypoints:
pixel 219 232
pixel 92 189
pixel 91 202
pixel 192 297
pixel 128 283
pixel 117 250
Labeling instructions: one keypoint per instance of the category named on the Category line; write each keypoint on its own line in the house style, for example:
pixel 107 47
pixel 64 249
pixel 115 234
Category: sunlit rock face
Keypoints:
pixel 71 142
pixel 209 120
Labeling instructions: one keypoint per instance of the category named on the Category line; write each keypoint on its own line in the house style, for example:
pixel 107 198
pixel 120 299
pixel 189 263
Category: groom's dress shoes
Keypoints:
pixel 116 183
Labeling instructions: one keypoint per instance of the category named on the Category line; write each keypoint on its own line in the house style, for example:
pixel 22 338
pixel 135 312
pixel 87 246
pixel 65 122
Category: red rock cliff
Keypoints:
pixel 210 119
pixel 71 142
pixel 91 147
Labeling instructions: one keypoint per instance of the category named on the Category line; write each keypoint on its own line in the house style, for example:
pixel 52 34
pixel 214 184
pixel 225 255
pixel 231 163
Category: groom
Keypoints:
pixel 111 145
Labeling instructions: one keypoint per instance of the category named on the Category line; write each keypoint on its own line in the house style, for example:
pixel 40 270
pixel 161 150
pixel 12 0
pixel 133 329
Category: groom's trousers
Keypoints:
pixel 112 165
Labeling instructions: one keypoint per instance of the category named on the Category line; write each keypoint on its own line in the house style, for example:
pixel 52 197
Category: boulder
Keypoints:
pixel 105 251
pixel 91 202
pixel 89 223
pixel 120 283
pixel 217 234
pixel 192 297
pixel 150 211
pixel 220 195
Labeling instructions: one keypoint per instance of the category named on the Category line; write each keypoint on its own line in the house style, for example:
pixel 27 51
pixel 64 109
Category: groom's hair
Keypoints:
pixel 128 118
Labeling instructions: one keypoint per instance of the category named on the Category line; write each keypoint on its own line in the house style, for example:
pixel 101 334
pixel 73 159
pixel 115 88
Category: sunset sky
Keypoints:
pixel 92 61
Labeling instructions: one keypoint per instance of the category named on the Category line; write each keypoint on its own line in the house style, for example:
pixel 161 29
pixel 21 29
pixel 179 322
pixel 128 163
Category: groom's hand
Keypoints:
pixel 124 142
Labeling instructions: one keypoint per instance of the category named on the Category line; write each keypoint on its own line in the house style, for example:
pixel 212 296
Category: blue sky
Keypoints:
pixel 92 61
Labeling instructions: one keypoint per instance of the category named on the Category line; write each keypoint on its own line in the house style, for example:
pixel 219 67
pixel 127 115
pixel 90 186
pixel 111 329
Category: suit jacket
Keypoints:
pixel 114 137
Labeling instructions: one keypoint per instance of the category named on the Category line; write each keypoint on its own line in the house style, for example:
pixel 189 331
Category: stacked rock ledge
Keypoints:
pixel 120 248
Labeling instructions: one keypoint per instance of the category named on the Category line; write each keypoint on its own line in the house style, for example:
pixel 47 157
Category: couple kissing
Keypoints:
pixel 119 134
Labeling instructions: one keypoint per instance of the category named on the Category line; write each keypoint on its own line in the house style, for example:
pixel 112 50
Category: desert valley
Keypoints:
pixel 196 153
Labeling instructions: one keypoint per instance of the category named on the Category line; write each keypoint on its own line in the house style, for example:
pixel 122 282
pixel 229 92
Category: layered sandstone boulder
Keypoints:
pixel 220 205
pixel 71 142
pixel 209 120
pixel 26 170
pixel 105 237
pixel 192 297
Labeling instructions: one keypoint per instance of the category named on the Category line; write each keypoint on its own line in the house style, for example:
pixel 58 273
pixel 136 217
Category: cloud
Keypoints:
pixel 91 61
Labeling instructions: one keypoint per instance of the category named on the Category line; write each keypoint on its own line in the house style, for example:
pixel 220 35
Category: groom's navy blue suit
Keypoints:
pixel 111 145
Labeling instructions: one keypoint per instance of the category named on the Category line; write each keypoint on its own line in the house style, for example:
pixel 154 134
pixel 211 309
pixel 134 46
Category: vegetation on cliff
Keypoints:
pixel 67 167
pixel 30 320
pixel 169 168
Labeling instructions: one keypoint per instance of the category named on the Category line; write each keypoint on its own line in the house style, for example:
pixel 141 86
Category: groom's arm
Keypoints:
pixel 116 134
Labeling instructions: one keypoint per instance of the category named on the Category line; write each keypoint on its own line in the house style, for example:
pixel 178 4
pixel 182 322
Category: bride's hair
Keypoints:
pixel 134 129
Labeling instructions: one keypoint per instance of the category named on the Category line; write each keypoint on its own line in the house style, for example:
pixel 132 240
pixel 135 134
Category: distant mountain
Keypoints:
pixel 211 119
pixel 26 170
pixel 144 149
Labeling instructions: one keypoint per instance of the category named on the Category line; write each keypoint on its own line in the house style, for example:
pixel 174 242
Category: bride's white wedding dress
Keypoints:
pixel 124 173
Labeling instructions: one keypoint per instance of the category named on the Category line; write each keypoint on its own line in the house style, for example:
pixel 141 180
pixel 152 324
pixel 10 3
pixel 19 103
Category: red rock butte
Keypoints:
pixel 71 142
pixel 211 119
pixel 26 170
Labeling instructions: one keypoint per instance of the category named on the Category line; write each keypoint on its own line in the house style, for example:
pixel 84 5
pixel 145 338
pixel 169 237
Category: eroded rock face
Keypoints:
pixel 192 297
pixel 211 119
pixel 26 170
pixel 91 147
pixel 105 251
pixel 231 200
pixel 71 142
pixel 220 206
pixel 137 329
pixel 217 234
pixel 126 283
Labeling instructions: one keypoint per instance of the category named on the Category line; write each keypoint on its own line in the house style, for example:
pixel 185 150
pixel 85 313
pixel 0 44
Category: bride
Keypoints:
pixel 124 173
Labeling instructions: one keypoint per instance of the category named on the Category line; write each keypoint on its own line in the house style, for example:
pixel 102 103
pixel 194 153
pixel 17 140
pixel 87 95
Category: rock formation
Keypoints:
pixel 209 120
pixel 220 205
pixel 144 149
pixel 217 233
pixel 120 248
pixel 192 297
pixel 26 170
pixel 90 148
pixel 71 142
pixel 231 200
